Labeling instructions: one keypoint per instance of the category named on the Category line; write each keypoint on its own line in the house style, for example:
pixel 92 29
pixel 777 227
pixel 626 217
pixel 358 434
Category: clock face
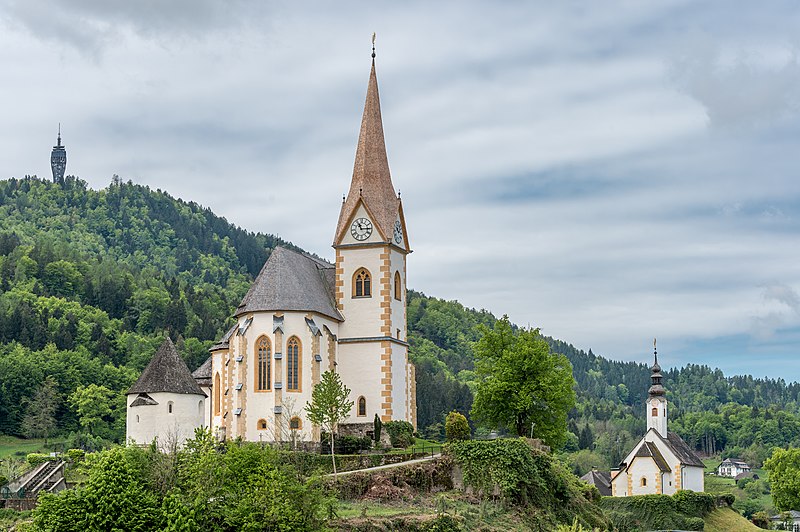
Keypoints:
pixel 398 232
pixel 361 229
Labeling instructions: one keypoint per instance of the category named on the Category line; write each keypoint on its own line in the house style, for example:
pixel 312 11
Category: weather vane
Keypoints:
pixel 373 45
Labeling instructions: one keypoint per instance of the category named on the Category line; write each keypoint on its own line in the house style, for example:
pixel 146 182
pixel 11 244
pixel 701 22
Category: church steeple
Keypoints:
pixel 656 400
pixel 58 159
pixel 372 181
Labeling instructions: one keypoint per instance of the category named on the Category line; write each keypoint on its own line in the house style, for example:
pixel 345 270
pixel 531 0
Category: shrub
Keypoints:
pixel 694 523
pixel 727 498
pixel 345 444
pixel 377 427
pixel 401 433
pixel 456 427
pixel 35 459
pixel 76 455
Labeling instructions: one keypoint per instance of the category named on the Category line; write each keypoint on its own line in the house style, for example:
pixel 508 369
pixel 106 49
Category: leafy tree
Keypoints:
pixel 329 405
pixel 92 403
pixel 40 414
pixel 784 477
pixel 456 427
pixel 522 385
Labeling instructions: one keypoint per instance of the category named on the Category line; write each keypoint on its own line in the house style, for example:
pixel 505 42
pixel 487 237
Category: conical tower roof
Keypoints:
pixel 166 372
pixel 292 281
pixel 372 181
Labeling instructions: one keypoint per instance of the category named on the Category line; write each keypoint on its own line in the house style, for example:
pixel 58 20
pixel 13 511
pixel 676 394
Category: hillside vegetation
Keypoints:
pixel 91 281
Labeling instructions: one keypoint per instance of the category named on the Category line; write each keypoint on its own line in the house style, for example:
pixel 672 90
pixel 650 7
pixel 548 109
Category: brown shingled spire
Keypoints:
pixel 372 182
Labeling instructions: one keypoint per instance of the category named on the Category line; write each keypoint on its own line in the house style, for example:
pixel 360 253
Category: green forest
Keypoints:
pixel 92 280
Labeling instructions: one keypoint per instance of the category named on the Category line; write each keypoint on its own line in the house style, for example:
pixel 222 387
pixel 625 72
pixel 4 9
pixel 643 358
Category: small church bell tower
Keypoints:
pixel 656 400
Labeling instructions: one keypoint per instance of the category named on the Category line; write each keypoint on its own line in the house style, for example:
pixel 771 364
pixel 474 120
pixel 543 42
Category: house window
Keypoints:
pixel 169 407
pixel 362 406
pixel 654 412
pixel 295 423
pixel 293 364
pixel 362 284
pixel 217 389
pixel 644 481
pixel 397 287
pixel 262 424
pixel 263 364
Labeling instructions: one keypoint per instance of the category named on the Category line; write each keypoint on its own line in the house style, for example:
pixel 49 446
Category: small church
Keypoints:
pixel 661 463
pixel 301 317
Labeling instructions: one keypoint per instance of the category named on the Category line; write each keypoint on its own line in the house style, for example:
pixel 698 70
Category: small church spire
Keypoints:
pixel 373 45
pixel 657 388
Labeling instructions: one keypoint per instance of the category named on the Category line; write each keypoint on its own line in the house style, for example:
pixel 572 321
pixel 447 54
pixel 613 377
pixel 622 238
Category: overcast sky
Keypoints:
pixel 606 171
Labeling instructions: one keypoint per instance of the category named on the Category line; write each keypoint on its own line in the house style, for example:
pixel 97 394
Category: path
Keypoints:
pixel 389 466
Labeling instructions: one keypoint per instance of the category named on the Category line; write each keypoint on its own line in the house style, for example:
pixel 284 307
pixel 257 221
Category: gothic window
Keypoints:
pixel 293 355
pixel 217 388
pixel 644 482
pixel 262 424
pixel 362 284
pixel 200 408
pixel 362 406
pixel 654 412
pixel 295 423
pixel 263 364
pixel 397 287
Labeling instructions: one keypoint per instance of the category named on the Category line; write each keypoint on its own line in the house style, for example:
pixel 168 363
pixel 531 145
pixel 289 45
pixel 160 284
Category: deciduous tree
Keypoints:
pixel 40 415
pixel 522 386
pixel 329 405
pixel 784 477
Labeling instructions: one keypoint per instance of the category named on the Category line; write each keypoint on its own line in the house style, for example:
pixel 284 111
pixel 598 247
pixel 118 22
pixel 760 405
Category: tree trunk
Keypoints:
pixel 333 457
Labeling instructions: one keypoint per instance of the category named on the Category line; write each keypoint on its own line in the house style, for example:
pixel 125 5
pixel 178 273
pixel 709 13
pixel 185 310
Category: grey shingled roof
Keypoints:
pixel 224 342
pixel 202 375
pixel 601 480
pixel 649 450
pixel 292 281
pixel 166 372
pixel 685 454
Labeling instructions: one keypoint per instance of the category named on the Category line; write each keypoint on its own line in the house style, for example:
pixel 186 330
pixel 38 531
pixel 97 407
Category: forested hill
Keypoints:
pixel 91 280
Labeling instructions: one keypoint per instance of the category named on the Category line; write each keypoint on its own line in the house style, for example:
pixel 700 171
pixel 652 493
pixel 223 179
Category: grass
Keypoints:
pixel 11 446
pixel 727 520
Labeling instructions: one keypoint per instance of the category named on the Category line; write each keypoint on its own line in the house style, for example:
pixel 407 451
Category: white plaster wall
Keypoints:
pixel 207 406
pixel 398 308
pixel 148 422
pixel 400 406
pixel 620 484
pixel 668 486
pixel 693 479
pixel 363 314
pixel 360 369
pixel 659 423
pixel 643 468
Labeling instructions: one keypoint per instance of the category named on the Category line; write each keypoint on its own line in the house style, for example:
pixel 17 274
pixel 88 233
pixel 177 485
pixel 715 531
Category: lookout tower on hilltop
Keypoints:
pixel 58 159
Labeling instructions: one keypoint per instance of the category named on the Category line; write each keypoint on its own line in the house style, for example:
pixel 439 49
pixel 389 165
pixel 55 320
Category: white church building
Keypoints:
pixel 661 463
pixel 301 317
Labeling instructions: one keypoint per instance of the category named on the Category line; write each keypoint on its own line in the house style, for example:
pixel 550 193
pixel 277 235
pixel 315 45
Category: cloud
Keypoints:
pixel 745 88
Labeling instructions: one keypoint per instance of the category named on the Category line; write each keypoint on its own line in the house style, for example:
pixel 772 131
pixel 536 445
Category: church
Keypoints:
pixel 301 317
pixel 661 463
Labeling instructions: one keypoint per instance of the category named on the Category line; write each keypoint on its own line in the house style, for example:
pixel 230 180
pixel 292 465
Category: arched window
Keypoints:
pixel 262 424
pixel 654 412
pixel 295 423
pixel 200 408
pixel 362 406
pixel 397 287
pixel 644 481
pixel 293 364
pixel 137 419
pixel 362 283
pixel 263 364
pixel 217 389
pixel 169 406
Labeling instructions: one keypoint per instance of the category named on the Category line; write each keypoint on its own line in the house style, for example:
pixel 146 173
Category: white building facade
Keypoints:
pixel 661 463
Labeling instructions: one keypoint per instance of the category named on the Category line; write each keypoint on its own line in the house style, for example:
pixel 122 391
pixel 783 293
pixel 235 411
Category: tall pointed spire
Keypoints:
pixel 372 181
